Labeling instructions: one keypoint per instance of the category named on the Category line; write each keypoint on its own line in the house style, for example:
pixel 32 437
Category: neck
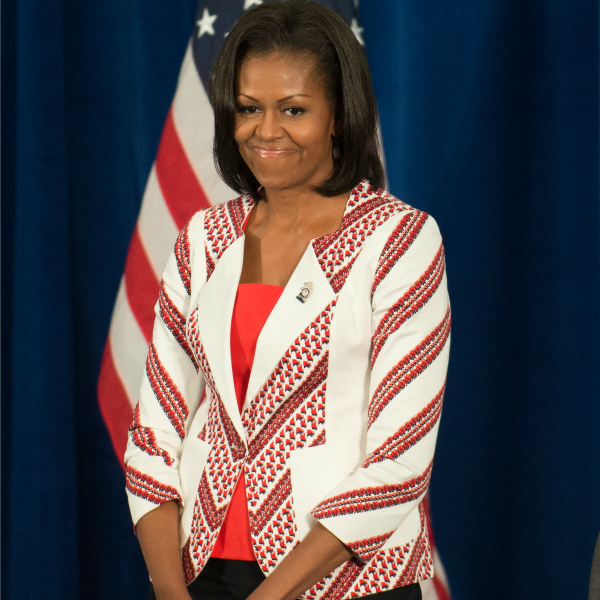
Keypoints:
pixel 299 212
pixel 292 204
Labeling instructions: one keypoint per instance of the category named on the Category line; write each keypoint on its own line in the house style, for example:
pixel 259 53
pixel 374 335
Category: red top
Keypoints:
pixel 253 305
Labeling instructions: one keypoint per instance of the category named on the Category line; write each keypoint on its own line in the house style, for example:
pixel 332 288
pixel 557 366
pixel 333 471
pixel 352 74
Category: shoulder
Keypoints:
pixel 222 222
pixel 217 227
pixel 376 214
pixel 379 206
pixel 398 238
pixel 410 253
pixel 231 215
pixel 370 208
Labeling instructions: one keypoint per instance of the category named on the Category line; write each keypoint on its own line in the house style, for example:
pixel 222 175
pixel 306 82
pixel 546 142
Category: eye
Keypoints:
pixel 294 111
pixel 247 109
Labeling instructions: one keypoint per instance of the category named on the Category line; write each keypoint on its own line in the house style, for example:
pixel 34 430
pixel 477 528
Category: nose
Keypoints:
pixel 269 126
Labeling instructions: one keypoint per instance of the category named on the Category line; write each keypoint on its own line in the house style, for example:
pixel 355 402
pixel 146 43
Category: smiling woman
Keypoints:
pixel 284 129
pixel 283 114
pixel 316 41
pixel 313 312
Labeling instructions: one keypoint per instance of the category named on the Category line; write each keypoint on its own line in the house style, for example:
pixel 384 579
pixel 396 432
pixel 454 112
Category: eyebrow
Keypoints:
pixel 278 101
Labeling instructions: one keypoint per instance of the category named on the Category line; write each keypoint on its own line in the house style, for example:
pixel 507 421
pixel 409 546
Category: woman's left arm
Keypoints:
pixel 409 360
pixel 410 346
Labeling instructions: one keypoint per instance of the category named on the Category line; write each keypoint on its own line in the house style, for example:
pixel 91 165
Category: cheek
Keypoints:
pixel 316 136
pixel 237 134
pixel 320 138
pixel 241 132
pixel 323 130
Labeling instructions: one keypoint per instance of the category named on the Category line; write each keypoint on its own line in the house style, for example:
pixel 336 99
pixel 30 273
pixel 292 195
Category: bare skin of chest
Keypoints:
pixel 277 239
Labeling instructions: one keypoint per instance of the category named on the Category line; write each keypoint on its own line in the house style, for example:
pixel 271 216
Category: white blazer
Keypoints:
pixel 343 404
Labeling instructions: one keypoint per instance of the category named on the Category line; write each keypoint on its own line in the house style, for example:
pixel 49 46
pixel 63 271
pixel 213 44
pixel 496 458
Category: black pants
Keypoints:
pixel 225 579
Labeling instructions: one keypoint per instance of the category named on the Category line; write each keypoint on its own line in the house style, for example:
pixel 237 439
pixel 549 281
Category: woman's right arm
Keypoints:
pixel 157 532
pixel 169 398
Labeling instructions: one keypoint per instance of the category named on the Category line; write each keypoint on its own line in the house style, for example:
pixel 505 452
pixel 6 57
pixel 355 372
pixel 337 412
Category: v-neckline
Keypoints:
pixel 313 242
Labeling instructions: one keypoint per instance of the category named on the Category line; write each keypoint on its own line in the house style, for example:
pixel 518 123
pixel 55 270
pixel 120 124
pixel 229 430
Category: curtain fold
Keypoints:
pixel 43 500
pixel 489 114
pixel 86 88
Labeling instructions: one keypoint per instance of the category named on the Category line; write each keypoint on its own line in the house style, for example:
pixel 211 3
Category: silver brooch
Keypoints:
pixel 305 291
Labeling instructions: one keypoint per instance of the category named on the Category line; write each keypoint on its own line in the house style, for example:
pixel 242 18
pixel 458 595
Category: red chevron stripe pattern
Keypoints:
pixel 268 483
pixel 145 440
pixel 146 487
pixel 207 519
pixel 234 441
pixel 373 498
pixel 198 349
pixel 319 439
pixel 410 367
pixel 224 465
pixel 278 537
pixel 367 209
pixel 404 565
pixel 223 224
pixel 189 571
pixel 174 321
pixel 410 303
pixel 338 585
pixel 294 422
pixel 288 413
pixel 166 392
pixel 210 263
pixel 398 243
pixel 289 373
pixel 182 254
pixel 419 563
pixel 277 497
pixel 224 468
pixel 213 515
pixel 367 547
pixel 410 433
pixel 227 449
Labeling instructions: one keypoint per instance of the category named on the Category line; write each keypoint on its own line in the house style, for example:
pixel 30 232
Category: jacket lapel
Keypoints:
pixel 215 309
pixel 289 318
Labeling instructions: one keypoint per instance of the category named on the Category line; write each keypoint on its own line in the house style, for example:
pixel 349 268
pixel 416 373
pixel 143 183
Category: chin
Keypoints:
pixel 284 180
pixel 272 181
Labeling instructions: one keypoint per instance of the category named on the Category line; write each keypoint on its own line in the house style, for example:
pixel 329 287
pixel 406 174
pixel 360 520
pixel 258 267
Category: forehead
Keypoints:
pixel 277 69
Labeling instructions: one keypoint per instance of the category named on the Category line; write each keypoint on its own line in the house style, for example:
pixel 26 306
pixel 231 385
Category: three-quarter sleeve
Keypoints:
pixel 170 392
pixel 409 358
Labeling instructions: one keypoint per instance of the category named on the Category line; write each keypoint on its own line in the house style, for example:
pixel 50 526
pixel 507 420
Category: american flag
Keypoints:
pixel 182 181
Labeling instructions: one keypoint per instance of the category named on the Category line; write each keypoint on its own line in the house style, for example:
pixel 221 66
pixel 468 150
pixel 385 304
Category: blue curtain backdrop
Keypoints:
pixel 489 110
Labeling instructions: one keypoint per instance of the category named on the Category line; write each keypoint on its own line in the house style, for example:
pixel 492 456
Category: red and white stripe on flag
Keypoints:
pixel 182 181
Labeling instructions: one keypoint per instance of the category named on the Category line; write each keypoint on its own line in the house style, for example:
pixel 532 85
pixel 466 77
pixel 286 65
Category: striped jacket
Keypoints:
pixel 343 404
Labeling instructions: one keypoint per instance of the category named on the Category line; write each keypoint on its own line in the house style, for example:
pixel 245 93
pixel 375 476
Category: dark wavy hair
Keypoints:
pixel 301 27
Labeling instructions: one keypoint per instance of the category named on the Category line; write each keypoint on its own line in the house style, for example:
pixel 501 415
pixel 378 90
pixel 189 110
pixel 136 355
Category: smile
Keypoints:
pixel 272 152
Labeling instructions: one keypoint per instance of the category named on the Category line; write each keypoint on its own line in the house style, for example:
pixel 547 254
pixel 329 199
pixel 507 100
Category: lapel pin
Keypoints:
pixel 305 291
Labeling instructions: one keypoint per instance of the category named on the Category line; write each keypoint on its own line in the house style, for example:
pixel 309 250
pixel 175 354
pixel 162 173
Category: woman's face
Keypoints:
pixel 284 123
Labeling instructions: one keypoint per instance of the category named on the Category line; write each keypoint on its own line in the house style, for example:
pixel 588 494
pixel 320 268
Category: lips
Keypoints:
pixel 272 152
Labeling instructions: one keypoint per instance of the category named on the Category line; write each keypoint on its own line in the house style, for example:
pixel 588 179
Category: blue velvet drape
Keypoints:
pixel 489 111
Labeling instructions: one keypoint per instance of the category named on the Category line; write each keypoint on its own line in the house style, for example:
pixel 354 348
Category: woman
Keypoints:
pixel 313 313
